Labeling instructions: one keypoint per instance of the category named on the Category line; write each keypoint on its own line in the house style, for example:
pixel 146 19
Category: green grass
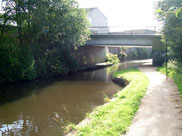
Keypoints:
pixel 172 73
pixel 113 118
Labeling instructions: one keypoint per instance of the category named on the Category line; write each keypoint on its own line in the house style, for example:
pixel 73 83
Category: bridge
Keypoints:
pixel 129 38
pixel 124 40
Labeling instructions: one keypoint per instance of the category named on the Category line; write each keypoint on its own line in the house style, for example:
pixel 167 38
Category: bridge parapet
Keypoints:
pixel 126 30
pixel 123 40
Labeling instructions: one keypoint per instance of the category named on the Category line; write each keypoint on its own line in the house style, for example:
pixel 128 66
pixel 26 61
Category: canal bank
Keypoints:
pixel 160 106
pixel 38 108
pixel 94 66
pixel 114 117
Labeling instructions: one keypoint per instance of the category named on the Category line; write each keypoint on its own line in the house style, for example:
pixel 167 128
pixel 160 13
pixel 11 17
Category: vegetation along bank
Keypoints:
pixel 113 118
pixel 174 72
pixel 169 12
pixel 37 38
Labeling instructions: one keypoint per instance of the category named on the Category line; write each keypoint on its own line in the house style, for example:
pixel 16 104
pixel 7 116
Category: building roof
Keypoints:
pixel 90 9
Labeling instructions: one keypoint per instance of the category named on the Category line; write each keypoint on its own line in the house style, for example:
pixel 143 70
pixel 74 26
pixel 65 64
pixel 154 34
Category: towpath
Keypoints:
pixel 160 112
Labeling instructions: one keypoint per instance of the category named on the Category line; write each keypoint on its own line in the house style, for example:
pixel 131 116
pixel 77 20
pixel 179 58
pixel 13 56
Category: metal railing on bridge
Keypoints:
pixel 126 30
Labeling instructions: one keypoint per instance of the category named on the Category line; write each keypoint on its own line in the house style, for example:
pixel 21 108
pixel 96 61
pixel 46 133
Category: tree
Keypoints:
pixel 45 31
pixel 170 13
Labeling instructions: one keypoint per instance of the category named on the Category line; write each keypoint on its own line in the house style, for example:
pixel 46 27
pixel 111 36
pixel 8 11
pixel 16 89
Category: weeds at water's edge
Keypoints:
pixel 113 118
pixel 105 98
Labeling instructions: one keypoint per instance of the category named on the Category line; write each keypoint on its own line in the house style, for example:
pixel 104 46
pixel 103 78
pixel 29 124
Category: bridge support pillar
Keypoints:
pixel 158 52
pixel 88 55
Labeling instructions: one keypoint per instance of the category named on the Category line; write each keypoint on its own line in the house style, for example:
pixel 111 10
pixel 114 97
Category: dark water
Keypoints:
pixel 42 108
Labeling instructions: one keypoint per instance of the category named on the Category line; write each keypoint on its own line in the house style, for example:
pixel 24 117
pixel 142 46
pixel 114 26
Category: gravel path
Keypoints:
pixel 160 112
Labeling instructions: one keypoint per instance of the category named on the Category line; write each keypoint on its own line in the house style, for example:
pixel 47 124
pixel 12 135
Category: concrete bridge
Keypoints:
pixel 125 40
pixel 95 49
pixel 145 40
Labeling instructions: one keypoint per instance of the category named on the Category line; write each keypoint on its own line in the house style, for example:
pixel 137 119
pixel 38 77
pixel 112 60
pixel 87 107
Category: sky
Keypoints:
pixel 125 12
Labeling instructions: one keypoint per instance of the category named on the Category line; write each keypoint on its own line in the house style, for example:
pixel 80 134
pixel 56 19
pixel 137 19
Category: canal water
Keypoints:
pixel 42 108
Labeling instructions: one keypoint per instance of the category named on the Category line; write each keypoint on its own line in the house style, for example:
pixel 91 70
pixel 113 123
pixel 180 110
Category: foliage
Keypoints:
pixel 113 118
pixel 158 58
pixel 45 32
pixel 174 71
pixel 139 53
pixel 131 53
pixel 13 67
pixel 122 55
pixel 170 13
pixel 111 58
pixel 56 61
pixel 143 53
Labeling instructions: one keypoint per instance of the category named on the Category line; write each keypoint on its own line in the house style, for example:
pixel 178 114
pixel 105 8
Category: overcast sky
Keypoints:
pixel 125 12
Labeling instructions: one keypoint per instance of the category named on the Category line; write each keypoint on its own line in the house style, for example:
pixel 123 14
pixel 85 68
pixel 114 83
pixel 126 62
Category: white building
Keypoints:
pixel 99 22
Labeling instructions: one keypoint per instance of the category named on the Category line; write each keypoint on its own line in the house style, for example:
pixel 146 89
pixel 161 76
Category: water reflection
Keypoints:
pixel 42 108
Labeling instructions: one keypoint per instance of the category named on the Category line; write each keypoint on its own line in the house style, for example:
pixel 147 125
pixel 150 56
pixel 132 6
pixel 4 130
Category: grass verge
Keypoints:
pixel 174 74
pixel 113 118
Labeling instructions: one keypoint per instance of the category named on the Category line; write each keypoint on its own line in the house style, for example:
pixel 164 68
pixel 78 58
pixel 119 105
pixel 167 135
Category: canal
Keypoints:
pixel 42 108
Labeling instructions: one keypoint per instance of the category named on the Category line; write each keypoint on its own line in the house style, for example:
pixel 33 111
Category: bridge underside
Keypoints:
pixel 146 41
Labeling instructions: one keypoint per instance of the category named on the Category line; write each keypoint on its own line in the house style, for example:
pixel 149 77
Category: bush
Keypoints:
pixel 60 62
pixel 111 58
pixel 139 53
pixel 16 63
pixel 122 56
pixel 53 61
